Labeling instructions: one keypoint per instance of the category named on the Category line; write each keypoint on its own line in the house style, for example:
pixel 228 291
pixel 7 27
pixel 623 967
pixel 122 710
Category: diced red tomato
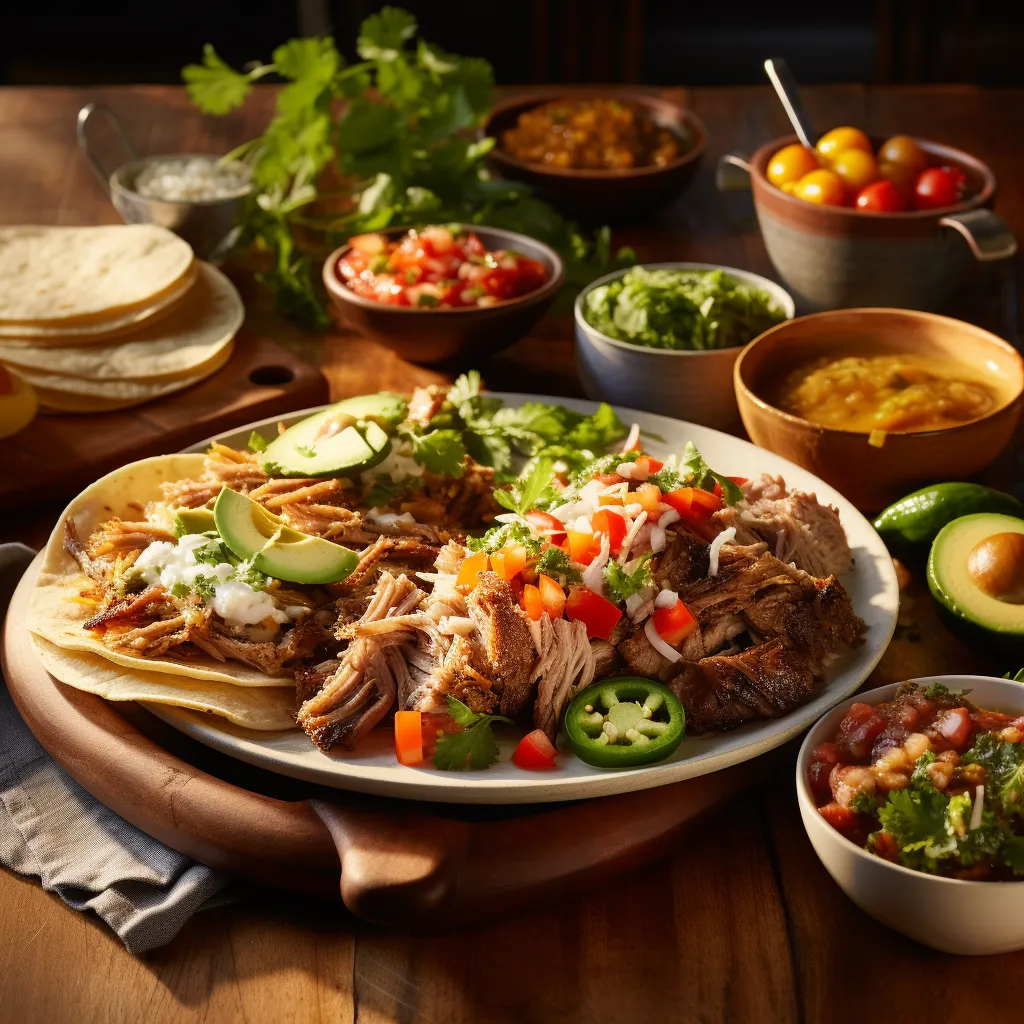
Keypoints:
pixel 739 481
pixel 409 737
pixel 608 479
pixel 595 612
pixel 674 624
pixel 509 561
pixel 552 596
pixel 531 602
pixel 841 818
pixel 993 720
pixel 859 730
pixel 470 570
pixel 693 504
pixel 955 727
pixel 824 758
pixel 543 522
pixel 535 752
pixel 611 525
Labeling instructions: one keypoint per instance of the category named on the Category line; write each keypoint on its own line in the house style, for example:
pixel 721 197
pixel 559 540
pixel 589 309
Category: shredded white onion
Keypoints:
pixel 627 543
pixel 581 525
pixel 593 575
pixel 716 547
pixel 658 539
pixel 633 603
pixel 666 599
pixel 633 509
pixel 508 517
pixel 640 474
pixel 620 489
pixel 436 577
pixel 659 645
pixel 625 470
pixel 631 439
pixel 979 806
pixel 668 518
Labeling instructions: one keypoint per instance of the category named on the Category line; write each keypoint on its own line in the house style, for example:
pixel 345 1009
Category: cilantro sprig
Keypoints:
pixel 472 749
pixel 698 473
pixel 622 584
pixel 357 147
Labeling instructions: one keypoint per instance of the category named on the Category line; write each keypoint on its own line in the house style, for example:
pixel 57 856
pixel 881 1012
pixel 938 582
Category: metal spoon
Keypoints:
pixel 785 85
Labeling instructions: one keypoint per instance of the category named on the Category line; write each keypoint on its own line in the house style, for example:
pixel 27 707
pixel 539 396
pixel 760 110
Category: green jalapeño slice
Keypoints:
pixel 624 722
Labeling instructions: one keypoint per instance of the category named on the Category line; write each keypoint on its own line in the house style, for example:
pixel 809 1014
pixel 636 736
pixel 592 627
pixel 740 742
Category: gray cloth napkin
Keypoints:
pixel 90 857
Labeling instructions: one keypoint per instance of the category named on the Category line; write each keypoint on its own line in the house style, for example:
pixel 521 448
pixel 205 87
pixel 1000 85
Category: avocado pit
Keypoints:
pixel 996 565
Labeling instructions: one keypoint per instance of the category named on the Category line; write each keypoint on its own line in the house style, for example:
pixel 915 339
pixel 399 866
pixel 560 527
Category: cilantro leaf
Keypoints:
pixel 916 819
pixel 465 388
pixel 474 748
pixel 554 562
pixel 307 451
pixel 622 584
pixel 701 475
pixel 598 431
pixel 1004 769
pixel 938 690
pixel 205 586
pixel 667 479
pixel 245 573
pixel 383 34
pixel 213 86
pixel 440 451
pixel 382 492
pixel 864 803
pixel 257 442
pixel 524 495
pixel 314 60
pixel 507 533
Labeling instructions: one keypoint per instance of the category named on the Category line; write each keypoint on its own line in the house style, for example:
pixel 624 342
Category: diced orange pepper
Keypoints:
pixel 580 546
pixel 609 499
pixel 648 496
pixel 552 595
pixel 509 561
pixel 409 737
pixel 469 573
pixel 531 601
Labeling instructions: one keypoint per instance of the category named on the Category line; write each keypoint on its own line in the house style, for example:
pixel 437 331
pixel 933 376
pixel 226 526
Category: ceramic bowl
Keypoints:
pixel 874 477
pixel 602 195
pixel 693 386
pixel 450 337
pixel 969 918
pixel 832 256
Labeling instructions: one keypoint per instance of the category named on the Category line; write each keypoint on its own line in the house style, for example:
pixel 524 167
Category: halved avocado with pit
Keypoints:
pixel 976 574
pixel 343 440
pixel 276 548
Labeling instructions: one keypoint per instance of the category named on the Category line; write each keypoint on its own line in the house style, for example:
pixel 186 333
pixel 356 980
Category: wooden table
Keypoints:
pixel 742 924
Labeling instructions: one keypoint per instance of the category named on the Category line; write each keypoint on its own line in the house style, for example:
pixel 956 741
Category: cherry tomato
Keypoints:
pixel 902 149
pixel 535 752
pixel 822 187
pixel 959 177
pixel 841 139
pixel 791 163
pixel 881 197
pixel 902 176
pixel 856 168
pixel 935 189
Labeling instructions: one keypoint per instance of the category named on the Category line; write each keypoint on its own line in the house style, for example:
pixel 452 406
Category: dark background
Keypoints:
pixel 677 42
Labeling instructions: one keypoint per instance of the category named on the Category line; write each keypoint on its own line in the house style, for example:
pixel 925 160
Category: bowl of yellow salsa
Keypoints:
pixel 879 401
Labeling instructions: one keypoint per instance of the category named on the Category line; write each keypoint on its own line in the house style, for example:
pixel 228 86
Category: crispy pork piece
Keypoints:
pixel 795 526
pixel 151 602
pixel 94 569
pixel 504 650
pixel 766 681
pixel 606 659
pixel 683 562
pixel 642 659
pixel 565 660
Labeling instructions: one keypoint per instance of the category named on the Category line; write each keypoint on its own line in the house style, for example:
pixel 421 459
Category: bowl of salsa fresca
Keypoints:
pixel 913 797
pixel 443 293
pixel 605 154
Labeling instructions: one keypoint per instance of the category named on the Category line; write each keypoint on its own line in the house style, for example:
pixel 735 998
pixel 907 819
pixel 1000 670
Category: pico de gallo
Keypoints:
pixel 927 780
pixel 436 267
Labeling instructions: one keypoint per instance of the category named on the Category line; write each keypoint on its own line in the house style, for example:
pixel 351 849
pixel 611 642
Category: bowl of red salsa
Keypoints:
pixel 444 293
pixel 913 797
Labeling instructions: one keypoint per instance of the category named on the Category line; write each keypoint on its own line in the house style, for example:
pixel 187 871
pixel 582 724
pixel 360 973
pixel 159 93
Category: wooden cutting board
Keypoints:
pixel 393 862
pixel 56 456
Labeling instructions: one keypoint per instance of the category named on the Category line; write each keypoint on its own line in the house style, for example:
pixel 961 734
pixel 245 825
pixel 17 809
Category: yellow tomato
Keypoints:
pixel 791 163
pixel 822 187
pixel 841 139
pixel 17 403
pixel 856 168
pixel 902 149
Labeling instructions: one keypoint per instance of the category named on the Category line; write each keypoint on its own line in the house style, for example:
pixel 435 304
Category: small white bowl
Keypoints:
pixel 970 918
pixel 693 386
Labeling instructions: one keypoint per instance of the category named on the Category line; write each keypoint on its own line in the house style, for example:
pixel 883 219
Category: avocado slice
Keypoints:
pixel 195 520
pixel 955 584
pixel 276 548
pixel 341 440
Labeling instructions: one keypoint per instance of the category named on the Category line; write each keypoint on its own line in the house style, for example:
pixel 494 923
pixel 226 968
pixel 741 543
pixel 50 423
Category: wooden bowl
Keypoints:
pixel 602 195
pixel 875 477
pixel 452 336
pixel 838 256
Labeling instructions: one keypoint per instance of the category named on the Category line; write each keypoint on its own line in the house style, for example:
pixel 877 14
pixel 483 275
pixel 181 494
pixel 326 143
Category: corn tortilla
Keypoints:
pixel 64 276
pixel 56 618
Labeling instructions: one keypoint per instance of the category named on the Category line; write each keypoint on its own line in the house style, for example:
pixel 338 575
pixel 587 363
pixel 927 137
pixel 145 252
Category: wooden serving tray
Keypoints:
pixel 55 456
pixel 399 862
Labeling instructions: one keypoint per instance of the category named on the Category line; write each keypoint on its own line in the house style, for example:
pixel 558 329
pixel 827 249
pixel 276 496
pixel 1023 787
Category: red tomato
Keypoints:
pixel 535 752
pixel 647 465
pixel 552 596
pixel 881 197
pixel 935 189
pixel 859 730
pixel 955 727
pixel 841 818
pixel 596 613
pixel 609 524
pixel 543 522
pixel 824 758
pixel 674 624
pixel 580 548
pixel 693 504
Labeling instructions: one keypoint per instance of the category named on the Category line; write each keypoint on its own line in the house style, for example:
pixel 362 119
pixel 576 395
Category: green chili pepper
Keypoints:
pixel 624 722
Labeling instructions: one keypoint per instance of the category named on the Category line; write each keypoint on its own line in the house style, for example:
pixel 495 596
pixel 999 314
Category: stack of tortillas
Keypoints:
pixel 102 318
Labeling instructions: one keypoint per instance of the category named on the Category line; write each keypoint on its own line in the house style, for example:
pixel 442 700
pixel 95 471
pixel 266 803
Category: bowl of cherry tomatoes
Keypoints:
pixel 862 221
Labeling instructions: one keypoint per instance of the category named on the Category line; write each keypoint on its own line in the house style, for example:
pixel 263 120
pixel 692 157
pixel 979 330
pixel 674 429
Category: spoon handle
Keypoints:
pixel 785 85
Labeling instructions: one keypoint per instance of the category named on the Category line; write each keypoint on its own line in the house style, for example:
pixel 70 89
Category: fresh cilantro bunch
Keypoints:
pixel 391 139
